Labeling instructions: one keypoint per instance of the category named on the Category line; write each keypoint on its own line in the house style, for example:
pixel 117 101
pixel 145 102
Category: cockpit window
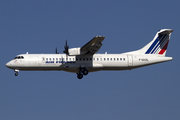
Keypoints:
pixel 16 57
pixel 19 57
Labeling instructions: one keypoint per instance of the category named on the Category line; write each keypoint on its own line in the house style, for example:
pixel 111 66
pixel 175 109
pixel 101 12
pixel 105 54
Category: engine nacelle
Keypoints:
pixel 75 51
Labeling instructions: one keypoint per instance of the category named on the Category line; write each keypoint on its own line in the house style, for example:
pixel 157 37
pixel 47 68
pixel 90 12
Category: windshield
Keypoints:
pixel 19 57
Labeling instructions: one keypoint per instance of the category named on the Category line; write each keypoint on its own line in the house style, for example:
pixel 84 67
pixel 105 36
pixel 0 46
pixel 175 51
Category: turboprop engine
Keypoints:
pixel 75 51
pixel 72 51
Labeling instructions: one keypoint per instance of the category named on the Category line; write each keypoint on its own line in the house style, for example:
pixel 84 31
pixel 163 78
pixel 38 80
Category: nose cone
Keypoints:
pixel 8 65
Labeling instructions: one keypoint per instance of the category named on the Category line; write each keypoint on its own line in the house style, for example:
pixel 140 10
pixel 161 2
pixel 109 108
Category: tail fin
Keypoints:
pixel 159 44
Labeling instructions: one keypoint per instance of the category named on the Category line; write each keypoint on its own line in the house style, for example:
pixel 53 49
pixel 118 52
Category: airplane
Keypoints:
pixel 82 60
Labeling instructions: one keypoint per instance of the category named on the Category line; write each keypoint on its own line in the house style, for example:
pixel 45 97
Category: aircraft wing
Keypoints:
pixel 92 46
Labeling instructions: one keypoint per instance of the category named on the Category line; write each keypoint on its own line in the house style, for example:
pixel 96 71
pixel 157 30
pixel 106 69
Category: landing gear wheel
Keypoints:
pixel 85 72
pixel 16 74
pixel 79 76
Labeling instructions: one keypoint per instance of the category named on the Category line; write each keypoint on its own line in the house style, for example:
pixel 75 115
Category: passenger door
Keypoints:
pixel 130 60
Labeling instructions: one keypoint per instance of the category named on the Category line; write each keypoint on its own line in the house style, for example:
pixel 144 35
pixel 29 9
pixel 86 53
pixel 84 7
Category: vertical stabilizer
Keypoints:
pixel 159 44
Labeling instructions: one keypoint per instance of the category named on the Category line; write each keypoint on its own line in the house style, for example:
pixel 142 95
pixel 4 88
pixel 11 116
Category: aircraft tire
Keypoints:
pixel 85 72
pixel 79 76
pixel 16 74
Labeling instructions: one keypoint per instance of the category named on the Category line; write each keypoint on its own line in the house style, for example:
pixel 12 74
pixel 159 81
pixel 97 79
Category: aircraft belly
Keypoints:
pixel 108 66
pixel 38 68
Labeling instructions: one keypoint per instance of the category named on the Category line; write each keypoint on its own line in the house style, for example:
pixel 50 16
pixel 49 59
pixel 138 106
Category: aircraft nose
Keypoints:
pixel 8 64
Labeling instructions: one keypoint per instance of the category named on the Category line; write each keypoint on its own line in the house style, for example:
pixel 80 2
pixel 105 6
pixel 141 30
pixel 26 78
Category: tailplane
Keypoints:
pixel 158 46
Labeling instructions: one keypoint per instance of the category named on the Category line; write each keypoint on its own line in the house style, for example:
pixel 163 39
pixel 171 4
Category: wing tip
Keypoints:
pixel 99 36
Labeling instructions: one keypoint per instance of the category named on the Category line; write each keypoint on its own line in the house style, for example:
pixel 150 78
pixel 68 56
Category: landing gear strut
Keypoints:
pixel 82 71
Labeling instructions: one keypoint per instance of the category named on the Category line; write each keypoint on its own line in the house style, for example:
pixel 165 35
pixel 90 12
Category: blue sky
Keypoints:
pixel 33 26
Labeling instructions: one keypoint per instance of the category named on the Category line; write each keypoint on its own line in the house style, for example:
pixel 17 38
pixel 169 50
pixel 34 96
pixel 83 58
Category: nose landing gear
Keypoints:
pixel 16 74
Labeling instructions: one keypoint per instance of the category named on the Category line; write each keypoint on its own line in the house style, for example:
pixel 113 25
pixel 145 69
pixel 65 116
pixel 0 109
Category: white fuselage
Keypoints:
pixel 92 63
pixel 84 60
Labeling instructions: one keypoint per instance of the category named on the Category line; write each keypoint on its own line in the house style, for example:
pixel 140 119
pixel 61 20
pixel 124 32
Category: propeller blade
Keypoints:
pixel 66 47
pixel 62 59
pixel 56 51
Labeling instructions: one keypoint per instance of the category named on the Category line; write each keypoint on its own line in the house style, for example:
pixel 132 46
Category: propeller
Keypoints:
pixel 66 47
pixel 56 51
pixel 66 51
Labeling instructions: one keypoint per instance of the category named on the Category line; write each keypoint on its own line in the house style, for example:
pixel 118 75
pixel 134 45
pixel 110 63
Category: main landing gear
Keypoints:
pixel 82 71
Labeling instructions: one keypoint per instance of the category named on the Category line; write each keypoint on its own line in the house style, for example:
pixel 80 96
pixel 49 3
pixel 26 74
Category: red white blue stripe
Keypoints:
pixel 159 45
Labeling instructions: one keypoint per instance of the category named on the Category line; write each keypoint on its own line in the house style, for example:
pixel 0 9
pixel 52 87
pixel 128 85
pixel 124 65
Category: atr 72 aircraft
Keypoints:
pixel 84 60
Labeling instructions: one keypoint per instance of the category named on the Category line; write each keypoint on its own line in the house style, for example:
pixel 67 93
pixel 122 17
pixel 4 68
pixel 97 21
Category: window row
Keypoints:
pixel 109 59
pixel 84 59
pixel 58 59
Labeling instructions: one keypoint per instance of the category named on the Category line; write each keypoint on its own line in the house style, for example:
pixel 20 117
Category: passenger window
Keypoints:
pixel 114 59
pixel 60 59
pixel 94 59
pixel 69 59
pixel 50 59
pixel 80 59
pixel 101 59
pixel 76 59
pixel 124 59
pixel 111 59
pixel 117 59
pixel 83 59
pixel 121 59
pixel 90 59
pixel 97 59
pixel 87 59
pixel 56 59
pixel 46 58
pixel 53 59
pixel 107 59
pixel 104 59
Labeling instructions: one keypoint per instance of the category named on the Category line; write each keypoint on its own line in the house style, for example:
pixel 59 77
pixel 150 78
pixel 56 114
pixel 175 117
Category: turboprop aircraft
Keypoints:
pixel 83 60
